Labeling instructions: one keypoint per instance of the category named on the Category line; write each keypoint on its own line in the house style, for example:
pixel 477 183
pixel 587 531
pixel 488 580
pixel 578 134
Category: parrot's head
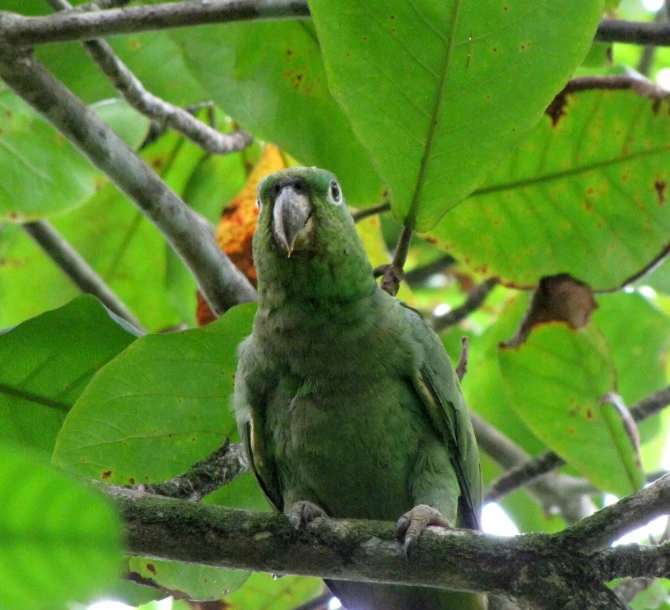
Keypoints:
pixel 306 234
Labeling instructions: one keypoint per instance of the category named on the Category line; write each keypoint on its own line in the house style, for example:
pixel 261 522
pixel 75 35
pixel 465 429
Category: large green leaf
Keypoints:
pixel 264 591
pixel 440 91
pixel 116 239
pixel 60 540
pixel 270 78
pixel 589 185
pixel 42 173
pixel 152 56
pixel 555 382
pixel 195 581
pixel 45 364
pixel 483 386
pixel 639 336
pixel 158 407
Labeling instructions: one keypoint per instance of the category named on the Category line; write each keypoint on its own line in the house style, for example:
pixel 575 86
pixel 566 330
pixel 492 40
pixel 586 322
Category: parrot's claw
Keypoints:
pixel 304 512
pixel 412 523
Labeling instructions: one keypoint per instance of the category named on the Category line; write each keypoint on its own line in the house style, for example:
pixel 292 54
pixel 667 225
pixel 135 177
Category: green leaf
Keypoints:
pixel 270 78
pixel 483 387
pixel 263 591
pixel 115 238
pixel 242 492
pixel 440 91
pixel 42 173
pixel 195 581
pixel 45 365
pixel 158 407
pixel 555 381
pixel 639 336
pixel 591 187
pixel 61 541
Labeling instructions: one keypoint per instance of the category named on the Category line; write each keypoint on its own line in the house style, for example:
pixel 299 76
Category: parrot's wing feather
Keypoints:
pixel 436 382
pixel 250 406
pixel 270 491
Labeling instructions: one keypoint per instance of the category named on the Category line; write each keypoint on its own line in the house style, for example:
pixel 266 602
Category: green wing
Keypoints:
pixel 436 382
pixel 250 399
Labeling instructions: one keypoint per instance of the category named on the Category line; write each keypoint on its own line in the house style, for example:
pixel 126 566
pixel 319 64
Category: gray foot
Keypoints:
pixel 304 512
pixel 412 523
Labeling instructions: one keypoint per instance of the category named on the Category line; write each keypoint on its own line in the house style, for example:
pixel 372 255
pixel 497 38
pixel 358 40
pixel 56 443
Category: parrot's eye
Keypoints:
pixel 335 192
pixel 259 204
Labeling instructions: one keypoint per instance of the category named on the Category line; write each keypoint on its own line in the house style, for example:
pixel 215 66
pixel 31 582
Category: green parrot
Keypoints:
pixel 346 401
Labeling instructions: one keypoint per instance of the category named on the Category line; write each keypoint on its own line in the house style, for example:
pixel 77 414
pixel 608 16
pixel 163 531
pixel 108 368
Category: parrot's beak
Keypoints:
pixel 292 221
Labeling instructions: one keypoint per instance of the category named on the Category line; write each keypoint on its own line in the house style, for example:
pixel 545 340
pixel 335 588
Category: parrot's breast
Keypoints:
pixel 352 453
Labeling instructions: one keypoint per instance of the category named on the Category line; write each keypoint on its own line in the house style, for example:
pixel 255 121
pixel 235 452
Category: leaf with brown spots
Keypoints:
pixel 584 194
pixel 442 93
pixel 186 580
pixel 555 382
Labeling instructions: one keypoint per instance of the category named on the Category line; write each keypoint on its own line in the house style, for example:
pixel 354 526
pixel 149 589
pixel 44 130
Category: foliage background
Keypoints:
pixel 584 193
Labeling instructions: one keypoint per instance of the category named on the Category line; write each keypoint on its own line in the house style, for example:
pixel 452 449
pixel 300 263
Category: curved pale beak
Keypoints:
pixel 292 222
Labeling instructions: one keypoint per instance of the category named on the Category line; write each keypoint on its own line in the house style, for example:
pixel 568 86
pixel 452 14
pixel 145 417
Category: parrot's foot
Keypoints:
pixel 411 525
pixel 304 512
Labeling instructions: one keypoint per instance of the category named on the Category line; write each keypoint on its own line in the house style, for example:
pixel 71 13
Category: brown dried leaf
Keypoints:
pixel 558 298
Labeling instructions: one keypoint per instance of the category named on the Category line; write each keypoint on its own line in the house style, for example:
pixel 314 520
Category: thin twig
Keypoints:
pixel 72 264
pixel 462 366
pixel 394 273
pixel 218 469
pixel 525 473
pixel 80 25
pixel 474 301
pixel 143 101
pixel 359 215
pixel 630 588
pixel 633 32
pixel 649 51
pixel 219 280
pixel 420 274
pixel 19 31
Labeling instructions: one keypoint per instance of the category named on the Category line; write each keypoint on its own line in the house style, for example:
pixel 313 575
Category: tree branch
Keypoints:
pixel 635 560
pixel 541 570
pixel 130 87
pixel 77 269
pixel 527 472
pixel 206 476
pixel 474 301
pixel 219 280
pixel 633 32
pixel 359 215
pixel 80 24
pixel 19 31
pixel 604 527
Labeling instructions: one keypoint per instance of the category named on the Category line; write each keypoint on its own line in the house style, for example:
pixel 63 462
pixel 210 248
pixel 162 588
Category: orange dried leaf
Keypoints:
pixel 238 223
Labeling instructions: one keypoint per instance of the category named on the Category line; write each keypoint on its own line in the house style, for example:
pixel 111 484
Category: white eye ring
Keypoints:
pixel 259 204
pixel 334 192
